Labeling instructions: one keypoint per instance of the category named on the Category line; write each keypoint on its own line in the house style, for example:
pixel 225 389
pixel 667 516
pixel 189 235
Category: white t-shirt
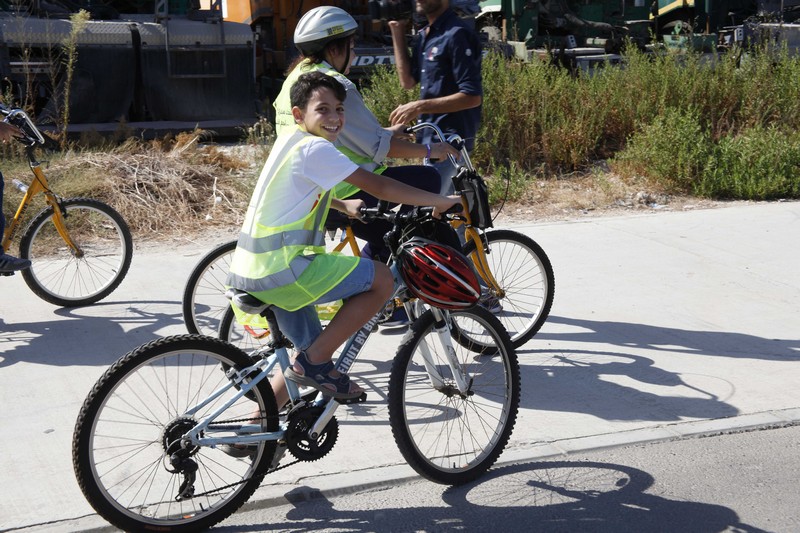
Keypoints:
pixel 316 167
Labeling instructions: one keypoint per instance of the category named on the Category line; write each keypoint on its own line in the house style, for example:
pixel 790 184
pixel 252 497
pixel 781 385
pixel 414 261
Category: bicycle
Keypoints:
pixel 80 248
pixel 514 267
pixel 147 447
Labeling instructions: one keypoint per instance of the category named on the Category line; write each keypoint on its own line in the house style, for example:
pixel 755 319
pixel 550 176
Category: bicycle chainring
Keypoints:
pixel 303 447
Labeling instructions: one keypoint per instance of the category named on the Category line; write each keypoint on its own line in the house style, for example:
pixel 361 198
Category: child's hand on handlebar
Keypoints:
pixel 440 151
pixel 401 131
pixel 351 208
pixel 447 203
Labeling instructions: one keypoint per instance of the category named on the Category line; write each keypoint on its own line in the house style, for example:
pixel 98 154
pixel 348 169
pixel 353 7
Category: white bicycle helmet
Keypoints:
pixel 320 26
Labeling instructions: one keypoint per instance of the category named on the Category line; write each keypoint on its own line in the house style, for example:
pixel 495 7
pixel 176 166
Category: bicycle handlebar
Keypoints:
pixel 381 213
pixel 456 141
pixel 19 118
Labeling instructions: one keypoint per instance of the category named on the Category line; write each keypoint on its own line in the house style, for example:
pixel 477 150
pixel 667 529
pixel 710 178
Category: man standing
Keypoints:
pixel 446 61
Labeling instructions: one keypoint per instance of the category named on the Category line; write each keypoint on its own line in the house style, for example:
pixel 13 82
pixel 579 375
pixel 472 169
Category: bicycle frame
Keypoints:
pixel 39 185
pixel 247 378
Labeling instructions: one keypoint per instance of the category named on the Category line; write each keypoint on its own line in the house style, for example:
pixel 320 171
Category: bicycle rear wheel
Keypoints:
pixel 445 436
pixel 64 277
pixel 134 420
pixel 204 301
pixel 523 270
pixel 244 338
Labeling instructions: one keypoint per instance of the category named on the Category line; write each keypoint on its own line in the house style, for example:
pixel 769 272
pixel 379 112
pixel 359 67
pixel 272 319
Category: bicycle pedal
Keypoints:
pixel 7 273
pixel 360 399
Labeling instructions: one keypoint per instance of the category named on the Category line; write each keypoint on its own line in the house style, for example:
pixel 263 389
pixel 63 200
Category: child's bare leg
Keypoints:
pixel 354 313
pixel 279 388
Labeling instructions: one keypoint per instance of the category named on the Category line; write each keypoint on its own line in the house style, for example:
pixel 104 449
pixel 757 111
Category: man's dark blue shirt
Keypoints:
pixel 445 60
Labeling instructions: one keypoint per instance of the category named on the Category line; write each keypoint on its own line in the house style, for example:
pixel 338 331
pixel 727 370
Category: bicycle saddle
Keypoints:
pixel 246 301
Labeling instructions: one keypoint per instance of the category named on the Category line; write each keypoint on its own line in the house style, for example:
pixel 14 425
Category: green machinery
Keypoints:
pixel 605 23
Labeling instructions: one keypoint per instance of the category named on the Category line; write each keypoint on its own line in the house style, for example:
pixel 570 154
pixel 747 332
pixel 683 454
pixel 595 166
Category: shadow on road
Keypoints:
pixel 542 497
pixel 86 336
pixel 659 338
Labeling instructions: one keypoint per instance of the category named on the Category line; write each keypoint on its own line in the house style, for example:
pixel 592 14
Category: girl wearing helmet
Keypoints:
pixel 325 37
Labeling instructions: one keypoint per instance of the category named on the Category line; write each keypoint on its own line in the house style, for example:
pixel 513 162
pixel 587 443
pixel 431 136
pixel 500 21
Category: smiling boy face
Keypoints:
pixel 323 115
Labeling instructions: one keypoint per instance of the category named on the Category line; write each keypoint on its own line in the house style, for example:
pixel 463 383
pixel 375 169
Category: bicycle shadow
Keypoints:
pixel 665 339
pixel 543 497
pixel 95 335
pixel 620 386
pixel 603 361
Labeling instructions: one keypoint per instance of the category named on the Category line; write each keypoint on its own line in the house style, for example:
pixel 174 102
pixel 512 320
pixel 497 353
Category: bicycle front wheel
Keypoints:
pixel 449 436
pixel 524 273
pixel 67 277
pixel 204 301
pixel 136 418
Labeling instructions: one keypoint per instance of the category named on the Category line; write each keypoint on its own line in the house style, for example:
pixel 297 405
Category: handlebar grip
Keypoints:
pixel 455 209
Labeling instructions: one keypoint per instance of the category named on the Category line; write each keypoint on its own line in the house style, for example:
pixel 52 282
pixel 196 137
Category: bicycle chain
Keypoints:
pixel 218 489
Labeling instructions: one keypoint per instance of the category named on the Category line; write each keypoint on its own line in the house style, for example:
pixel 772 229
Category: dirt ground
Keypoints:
pixel 578 198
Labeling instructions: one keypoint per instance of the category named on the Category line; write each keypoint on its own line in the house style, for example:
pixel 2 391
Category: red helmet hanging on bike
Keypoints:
pixel 438 274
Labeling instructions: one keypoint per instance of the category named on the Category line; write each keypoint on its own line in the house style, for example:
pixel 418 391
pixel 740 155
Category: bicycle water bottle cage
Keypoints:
pixel 246 302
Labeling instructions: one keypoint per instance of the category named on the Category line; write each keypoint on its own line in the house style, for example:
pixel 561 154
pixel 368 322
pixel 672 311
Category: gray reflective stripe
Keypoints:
pixel 272 281
pixel 298 237
pixel 271 243
pixel 321 214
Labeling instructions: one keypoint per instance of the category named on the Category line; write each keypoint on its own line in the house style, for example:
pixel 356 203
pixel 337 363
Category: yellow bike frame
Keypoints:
pixel 39 185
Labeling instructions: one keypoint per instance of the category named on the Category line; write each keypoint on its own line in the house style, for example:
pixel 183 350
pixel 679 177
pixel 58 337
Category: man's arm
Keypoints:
pixel 407 113
pixel 402 61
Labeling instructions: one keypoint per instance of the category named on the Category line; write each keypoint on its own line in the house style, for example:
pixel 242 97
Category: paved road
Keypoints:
pixel 666 324
pixel 745 482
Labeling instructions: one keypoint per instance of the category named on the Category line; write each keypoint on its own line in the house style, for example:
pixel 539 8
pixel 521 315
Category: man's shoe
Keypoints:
pixel 490 302
pixel 398 319
pixel 9 263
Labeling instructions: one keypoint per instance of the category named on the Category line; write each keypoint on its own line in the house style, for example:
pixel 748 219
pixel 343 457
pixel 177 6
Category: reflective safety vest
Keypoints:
pixel 285 265
pixel 285 120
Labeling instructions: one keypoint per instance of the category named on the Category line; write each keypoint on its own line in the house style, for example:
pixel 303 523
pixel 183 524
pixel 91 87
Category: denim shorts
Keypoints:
pixel 302 327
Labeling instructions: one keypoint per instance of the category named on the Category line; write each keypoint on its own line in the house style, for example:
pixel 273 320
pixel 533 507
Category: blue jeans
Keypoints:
pixel 302 327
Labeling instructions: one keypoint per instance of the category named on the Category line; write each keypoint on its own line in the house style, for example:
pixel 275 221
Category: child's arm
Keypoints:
pixel 350 208
pixel 385 188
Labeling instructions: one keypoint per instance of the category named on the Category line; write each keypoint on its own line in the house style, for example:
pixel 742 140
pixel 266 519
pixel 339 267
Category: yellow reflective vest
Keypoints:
pixel 285 265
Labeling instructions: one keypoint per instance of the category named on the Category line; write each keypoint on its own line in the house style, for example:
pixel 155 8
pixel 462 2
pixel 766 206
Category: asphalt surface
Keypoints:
pixel 664 325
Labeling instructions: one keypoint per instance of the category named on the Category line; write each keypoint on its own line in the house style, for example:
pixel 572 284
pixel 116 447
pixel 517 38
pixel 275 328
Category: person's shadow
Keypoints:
pixel 86 339
pixel 562 496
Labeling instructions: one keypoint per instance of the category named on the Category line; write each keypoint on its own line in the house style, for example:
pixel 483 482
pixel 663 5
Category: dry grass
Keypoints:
pixel 174 186
pixel 592 193
pixel 181 189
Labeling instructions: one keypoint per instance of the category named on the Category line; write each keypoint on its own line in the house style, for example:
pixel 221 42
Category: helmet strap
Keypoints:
pixel 346 59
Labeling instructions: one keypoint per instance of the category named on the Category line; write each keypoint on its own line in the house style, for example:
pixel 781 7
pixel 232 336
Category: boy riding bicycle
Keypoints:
pixel 280 257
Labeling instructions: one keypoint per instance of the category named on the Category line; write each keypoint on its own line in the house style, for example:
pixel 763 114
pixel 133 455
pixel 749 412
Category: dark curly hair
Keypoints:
pixel 306 84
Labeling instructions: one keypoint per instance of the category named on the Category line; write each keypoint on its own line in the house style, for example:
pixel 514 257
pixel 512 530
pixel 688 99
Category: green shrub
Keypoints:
pixel 382 93
pixel 671 151
pixel 758 164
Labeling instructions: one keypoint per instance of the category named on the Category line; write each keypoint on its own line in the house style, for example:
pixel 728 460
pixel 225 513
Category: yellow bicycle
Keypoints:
pixel 80 248
pixel 514 269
